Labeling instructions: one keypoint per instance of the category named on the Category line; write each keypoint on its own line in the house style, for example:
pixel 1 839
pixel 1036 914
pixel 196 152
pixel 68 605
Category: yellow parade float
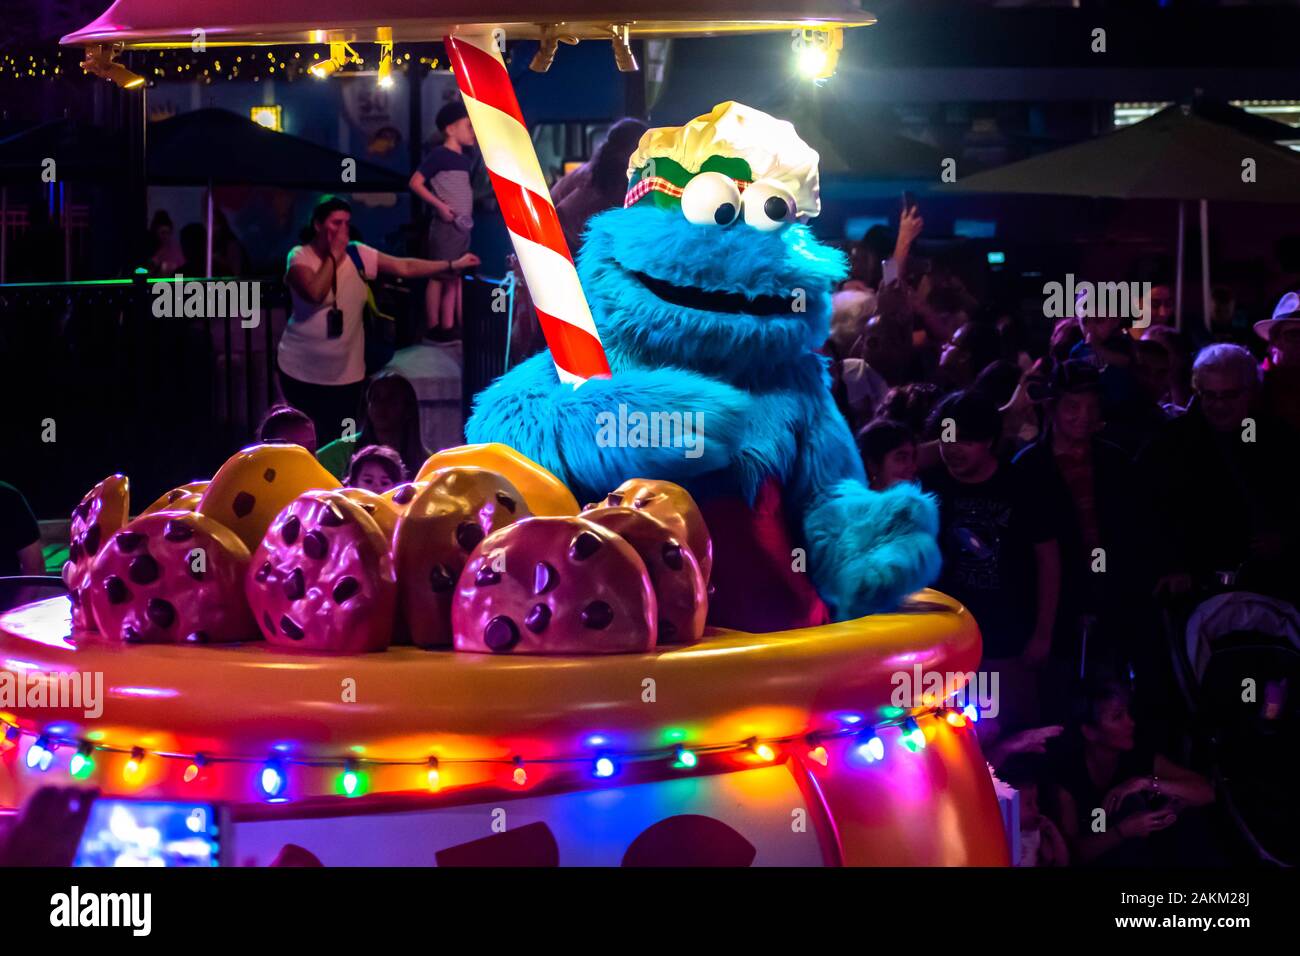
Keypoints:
pixel 369 678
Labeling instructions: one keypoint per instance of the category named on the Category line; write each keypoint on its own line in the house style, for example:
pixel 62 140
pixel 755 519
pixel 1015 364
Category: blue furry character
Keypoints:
pixel 711 295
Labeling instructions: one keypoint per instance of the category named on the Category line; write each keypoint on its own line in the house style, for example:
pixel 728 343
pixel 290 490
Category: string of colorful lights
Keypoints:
pixel 230 63
pixel 867 747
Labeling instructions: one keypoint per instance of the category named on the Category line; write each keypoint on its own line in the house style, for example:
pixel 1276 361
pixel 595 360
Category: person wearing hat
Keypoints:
pixel 1280 394
pixel 443 181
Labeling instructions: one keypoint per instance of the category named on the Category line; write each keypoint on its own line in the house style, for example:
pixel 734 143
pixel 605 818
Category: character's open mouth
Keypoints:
pixel 736 302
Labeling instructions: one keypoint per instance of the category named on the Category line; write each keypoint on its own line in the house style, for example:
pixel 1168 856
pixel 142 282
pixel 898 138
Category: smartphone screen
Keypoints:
pixel 148 833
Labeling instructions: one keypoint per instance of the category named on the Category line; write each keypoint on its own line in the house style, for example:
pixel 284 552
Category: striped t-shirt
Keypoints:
pixel 447 174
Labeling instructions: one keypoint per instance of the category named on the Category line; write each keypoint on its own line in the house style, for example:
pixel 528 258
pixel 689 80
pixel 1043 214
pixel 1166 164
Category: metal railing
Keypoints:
pixel 93 382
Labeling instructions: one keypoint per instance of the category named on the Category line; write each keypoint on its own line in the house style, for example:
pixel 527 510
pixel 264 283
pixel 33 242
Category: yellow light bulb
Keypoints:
pixel 131 772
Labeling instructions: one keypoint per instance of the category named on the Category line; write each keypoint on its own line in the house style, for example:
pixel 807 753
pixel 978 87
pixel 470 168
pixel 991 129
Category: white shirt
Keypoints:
pixel 305 352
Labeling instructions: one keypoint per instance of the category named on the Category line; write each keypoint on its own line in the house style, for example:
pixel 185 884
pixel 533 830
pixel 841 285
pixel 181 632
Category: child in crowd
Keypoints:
pixel 444 181
pixel 1041 842
pixel 1105 342
pixel 390 416
pixel 888 450
pixel 376 468
pixel 910 404
pixel 284 424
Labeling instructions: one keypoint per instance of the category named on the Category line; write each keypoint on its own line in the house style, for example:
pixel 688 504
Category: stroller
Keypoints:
pixel 1237 664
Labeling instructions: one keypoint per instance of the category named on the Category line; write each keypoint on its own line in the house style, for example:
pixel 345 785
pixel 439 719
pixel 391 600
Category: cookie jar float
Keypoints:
pixel 700 666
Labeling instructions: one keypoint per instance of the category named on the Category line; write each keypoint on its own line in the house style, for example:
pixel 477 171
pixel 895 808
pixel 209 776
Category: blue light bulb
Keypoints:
pixel 869 746
pixel 272 780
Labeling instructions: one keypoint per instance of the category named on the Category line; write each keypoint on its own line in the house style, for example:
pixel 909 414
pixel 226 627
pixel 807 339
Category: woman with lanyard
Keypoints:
pixel 322 352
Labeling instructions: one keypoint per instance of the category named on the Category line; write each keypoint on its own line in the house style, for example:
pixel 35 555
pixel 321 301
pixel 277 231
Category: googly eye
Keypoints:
pixel 711 199
pixel 767 206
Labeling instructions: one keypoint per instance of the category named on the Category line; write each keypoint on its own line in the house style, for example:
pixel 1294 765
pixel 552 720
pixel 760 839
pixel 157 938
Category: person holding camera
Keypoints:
pixel 321 357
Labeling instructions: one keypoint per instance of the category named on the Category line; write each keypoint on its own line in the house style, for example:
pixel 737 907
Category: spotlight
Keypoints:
pixel 817 52
pixel 546 47
pixel 99 62
pixel 623 57
pixel 325 68
pixel 386 66
pixel 340 55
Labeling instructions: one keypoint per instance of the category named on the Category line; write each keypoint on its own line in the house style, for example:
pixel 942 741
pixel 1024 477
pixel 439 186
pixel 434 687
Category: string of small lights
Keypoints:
pixel 34 67
pixel 222 64
pixel 867 747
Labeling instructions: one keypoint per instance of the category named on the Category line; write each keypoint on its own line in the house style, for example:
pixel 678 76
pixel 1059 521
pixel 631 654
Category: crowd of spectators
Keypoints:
pixel 1088 496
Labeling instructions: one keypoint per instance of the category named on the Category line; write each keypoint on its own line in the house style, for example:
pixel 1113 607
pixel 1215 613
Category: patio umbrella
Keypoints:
pixel 1179 153
pixel 82 153
pixel 214 147
pixel 1252 124
pixel 853 144
pixel 220 147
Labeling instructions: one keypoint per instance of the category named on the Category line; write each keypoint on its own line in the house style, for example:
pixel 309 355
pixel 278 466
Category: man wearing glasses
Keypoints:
pixel 1217 480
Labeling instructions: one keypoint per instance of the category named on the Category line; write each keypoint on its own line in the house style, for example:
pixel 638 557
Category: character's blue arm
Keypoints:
pixel 569 430
pixel 866 549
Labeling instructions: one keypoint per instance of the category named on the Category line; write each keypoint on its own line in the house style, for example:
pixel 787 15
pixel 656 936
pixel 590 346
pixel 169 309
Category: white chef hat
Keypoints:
pixel 770 146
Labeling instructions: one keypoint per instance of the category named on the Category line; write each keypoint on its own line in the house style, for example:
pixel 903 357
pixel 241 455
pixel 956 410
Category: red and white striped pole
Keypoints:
pixel 526 204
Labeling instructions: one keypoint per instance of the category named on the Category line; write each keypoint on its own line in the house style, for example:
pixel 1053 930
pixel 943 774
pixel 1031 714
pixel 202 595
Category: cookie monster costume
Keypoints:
pixel 711 295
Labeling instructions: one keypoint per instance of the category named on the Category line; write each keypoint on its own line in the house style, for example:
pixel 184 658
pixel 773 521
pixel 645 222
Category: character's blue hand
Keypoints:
pixel 867 550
